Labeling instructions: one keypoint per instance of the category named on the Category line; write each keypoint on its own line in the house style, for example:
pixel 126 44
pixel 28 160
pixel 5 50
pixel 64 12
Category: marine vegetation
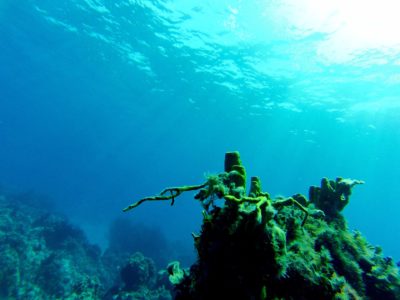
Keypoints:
pixel 256 247
pixel 44 256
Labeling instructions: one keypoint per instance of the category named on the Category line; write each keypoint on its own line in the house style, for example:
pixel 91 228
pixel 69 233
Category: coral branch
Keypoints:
pixel 174 192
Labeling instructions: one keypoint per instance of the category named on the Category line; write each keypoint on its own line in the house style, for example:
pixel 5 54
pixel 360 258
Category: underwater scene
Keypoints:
pixel 184 149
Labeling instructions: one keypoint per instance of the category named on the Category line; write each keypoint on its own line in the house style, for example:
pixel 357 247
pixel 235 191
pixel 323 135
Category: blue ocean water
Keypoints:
pixel 105 102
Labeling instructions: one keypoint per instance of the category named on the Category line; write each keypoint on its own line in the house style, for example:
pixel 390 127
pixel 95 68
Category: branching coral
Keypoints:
pixel 257 247
pixel 173 193
pixel 230 185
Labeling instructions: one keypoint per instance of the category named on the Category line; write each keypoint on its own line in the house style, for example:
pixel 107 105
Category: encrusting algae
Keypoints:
pixel 257 247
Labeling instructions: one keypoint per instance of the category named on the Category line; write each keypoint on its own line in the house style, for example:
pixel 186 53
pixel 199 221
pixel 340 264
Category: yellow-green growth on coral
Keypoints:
pixel 255 187
pixel 256 247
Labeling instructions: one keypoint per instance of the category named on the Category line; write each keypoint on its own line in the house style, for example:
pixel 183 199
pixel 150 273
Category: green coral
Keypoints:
pixel 257 247
pixel 333 195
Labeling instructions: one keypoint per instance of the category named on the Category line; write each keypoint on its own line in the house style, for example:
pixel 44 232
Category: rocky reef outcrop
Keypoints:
pixel 252 246
pixel 44 256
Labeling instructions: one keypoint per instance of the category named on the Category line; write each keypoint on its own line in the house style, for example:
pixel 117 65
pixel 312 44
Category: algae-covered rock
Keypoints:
pixel 138 271
pixel 140 280
pixel 256 247
pixel 44 256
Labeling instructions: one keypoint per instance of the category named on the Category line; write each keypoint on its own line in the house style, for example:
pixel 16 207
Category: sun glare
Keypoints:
pixel 349 26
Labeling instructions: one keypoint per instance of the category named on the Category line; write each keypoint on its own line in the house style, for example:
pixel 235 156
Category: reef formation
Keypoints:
pixel 44 256
pixel 255 247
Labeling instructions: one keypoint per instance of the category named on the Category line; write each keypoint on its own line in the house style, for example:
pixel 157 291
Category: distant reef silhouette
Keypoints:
pixel 44 256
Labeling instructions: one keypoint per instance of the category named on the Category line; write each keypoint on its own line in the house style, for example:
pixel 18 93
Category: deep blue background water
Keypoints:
pixel 105 102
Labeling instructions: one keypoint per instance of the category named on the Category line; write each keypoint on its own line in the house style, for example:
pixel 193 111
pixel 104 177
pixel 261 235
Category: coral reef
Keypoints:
pixel 257 247
pixel 43 256
pixel 332 196
pixel 140 280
